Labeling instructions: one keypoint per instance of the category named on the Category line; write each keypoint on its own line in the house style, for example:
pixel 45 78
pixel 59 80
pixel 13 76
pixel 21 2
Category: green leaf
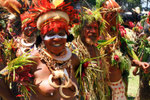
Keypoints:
pixel 16 63
pixel 114 28
pixel 79 70
pixel 102 44
pixel 132 53
pixel 2 22
pixel 147 50
pixel 119 18
pixel 99 3
pixel 101 41
pixel 14 74
pixel 130 42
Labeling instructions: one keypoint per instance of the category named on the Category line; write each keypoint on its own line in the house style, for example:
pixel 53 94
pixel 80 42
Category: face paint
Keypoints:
pixel 55 36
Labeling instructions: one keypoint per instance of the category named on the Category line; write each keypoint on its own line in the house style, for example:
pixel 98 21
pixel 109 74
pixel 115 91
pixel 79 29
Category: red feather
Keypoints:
pixel 42 6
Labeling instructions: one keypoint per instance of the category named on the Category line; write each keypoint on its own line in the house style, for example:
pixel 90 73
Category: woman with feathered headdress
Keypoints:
pixel 50 65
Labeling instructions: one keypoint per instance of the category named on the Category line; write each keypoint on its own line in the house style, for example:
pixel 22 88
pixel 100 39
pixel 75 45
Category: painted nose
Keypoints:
pixel 56 39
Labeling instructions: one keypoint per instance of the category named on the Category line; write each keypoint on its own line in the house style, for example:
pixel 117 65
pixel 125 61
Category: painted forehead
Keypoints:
pixel 93 24
pixel 59 31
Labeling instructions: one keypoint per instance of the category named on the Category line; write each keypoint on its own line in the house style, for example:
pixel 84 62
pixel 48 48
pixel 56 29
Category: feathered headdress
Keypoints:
pixel 110 13
pixel 110 9
pixel 16 9
pixel 46 16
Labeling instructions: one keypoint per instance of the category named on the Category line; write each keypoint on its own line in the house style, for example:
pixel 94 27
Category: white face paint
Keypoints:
pixel 55 36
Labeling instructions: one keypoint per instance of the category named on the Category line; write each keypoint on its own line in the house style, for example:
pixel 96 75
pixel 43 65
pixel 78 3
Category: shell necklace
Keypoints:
pixel 57 65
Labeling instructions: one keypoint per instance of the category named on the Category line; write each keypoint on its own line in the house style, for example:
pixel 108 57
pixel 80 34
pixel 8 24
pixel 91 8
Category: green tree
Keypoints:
pixel 92 2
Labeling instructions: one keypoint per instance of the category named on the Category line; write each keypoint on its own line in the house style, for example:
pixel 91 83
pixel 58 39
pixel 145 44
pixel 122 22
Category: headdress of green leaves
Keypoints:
pixel 99 3
pixel 87 17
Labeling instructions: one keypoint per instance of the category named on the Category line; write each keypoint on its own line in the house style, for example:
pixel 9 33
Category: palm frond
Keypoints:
pixel 20 61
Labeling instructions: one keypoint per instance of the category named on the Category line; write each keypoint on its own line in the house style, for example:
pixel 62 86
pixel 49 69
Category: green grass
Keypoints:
pixel 133 85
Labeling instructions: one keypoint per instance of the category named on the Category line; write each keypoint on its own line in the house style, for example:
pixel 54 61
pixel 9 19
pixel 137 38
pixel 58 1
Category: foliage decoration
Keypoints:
pixel 17 68
pixel 88 18
pixel 120 61
pixel 89 74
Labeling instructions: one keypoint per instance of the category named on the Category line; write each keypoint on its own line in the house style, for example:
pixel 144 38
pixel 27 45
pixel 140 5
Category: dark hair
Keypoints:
pixel 131 16
pixel 1 27
pixel 70 38
pixel 38 40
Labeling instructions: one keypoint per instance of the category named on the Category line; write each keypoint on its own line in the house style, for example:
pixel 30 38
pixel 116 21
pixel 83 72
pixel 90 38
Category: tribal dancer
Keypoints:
pixel 90 74
pixel 51 63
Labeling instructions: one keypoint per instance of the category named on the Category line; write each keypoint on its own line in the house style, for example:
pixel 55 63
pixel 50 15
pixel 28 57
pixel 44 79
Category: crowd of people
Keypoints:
pixel 52 51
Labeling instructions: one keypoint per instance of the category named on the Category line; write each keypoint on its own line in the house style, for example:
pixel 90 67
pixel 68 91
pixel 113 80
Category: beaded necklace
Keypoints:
pixel 57 63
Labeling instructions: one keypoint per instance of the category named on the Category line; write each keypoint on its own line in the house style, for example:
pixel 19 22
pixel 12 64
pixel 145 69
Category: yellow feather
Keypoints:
pixel 14 7
pixel 57 2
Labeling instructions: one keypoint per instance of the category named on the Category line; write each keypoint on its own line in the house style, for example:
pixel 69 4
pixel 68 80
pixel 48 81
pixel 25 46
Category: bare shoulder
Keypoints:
pixel 75 61
pixel 35 53
pixel 36 57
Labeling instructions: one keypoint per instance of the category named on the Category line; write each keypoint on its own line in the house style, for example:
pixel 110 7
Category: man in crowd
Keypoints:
pixel 87 33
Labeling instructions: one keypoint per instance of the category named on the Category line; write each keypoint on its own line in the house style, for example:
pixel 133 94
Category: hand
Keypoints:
pixel 135 71
pixel 140 64
pixel 146 67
